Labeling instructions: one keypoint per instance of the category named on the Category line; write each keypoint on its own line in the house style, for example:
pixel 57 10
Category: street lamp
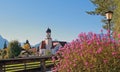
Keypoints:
pixel 109 18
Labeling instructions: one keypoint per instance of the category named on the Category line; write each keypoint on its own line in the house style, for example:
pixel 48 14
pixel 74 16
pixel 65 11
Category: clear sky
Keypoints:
pixel 29 19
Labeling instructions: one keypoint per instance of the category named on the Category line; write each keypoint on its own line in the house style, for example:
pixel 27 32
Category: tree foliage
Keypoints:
pixel 117 17
pixel 26 45
pixel 3 53
pixel 102 6
pixel 14 49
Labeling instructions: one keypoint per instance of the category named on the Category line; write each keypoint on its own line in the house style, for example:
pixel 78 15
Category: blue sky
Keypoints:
pixel 29 19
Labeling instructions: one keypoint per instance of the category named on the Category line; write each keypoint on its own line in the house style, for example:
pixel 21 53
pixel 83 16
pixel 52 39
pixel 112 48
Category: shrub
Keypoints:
pixel 90 53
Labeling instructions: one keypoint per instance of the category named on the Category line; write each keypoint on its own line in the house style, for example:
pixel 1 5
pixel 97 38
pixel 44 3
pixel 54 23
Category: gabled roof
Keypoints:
pixel 43 45
pixel 63 43
pixel 54 43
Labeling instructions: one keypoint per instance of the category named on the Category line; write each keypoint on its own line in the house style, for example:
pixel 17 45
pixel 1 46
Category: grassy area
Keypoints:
pixel 31 65
pixel 0 57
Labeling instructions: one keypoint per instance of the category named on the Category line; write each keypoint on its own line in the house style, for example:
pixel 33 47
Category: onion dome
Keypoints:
pixel 48 30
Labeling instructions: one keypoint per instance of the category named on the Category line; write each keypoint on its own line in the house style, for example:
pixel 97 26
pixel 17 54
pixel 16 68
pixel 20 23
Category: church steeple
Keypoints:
pixel 48 31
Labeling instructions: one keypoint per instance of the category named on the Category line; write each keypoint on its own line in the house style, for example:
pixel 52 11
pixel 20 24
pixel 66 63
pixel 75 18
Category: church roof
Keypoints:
pixel 48 30
pixel 54 44
pixel 43 45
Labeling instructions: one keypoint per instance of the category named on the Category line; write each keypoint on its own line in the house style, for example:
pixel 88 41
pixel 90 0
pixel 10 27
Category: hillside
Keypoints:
pixel 2 41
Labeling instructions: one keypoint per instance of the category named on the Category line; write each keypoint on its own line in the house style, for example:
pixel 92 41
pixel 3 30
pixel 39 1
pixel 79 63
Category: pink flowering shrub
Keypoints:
pixel 90 53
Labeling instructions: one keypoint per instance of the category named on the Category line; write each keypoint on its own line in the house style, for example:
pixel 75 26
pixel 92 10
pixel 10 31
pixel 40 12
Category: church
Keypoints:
pixel 48 47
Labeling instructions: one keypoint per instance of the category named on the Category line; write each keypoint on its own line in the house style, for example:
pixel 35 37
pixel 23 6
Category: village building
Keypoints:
pixel 48 47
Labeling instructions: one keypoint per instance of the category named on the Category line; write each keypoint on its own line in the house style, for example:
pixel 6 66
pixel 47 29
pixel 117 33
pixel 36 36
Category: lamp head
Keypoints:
pixel 109 15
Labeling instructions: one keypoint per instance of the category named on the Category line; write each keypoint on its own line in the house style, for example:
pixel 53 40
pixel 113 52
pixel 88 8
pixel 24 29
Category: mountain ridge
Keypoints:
pixel 2 41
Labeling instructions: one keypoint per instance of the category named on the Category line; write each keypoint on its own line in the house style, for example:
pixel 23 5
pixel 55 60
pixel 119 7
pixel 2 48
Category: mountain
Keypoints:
pixel 37 45
pixel 2 41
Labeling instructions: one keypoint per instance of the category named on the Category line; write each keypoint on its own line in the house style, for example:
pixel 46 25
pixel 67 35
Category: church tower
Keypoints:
pixel 48 47
pixel 48 39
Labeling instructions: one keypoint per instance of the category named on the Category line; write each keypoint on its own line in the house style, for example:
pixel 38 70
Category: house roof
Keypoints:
pixel 33 49
pixel 63 43
pixel 43 45
pixel 54 44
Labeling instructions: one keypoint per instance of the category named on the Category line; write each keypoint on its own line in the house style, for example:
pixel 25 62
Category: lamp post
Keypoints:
pixel 109 18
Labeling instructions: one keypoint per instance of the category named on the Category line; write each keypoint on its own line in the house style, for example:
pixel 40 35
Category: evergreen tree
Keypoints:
pixel 5 45
pixel 14 49
pixel 102 6
pixel 117 17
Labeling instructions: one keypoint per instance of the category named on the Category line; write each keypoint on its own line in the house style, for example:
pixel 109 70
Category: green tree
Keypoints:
pixel 14 49
pixel 117 17
pixel 102 6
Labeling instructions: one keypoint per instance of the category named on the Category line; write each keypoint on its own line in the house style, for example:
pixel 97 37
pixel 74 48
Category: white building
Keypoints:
pixel 48 46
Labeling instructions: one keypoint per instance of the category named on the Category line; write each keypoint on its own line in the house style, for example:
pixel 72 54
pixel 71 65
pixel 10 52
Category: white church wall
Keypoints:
pixel 42 52
pixel 48 43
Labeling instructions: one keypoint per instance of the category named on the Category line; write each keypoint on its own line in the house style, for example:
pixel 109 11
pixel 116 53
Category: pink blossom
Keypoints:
pixel 118 35
pixel 108 31
pixel 68 70
pixel 86 63
pixel 88 42
pixel 81 54
pixel 70 62
pixel 89 50
pixel 54 69
pixel 74 65
pixel 53 59
pixel 105 60
pixel 99 50
pixel 114 53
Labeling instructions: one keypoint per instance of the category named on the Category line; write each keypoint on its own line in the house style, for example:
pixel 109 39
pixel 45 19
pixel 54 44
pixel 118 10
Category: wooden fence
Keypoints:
pixel 23 64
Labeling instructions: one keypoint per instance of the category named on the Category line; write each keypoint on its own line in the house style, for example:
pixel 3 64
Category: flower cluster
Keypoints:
pixel 90 53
